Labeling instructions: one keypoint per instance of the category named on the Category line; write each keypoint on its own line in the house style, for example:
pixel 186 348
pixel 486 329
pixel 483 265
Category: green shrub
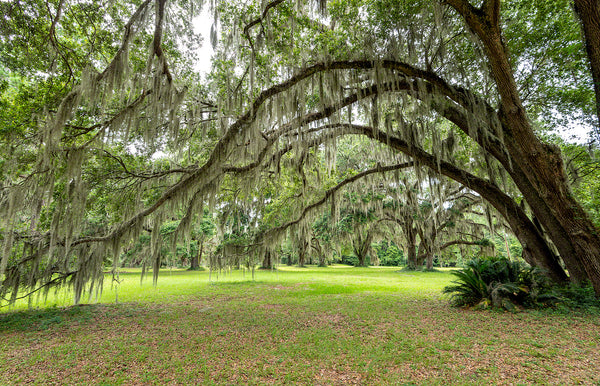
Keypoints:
pixel 498 282
pixel 349 260
pixel 576 297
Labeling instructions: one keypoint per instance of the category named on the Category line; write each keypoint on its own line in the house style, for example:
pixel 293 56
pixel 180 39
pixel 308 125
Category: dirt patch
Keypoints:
pixel 336 376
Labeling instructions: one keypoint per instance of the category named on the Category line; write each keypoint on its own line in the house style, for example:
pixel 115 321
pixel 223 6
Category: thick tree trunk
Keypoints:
pixel 542 183
pixel 429 260
pixel 301 258
pixel 426 247
pixel 302 253
pixel 194 266
pixel 411 249
pixel 361 248
pixel 561 215
pixel 539 173
pixel 319 251
pixel 420 259
pixel 588 12
pixel 267 262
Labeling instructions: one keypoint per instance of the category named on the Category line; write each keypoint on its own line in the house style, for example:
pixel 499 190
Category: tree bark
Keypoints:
pixel 197 258
pixel 302 253
pixel 411 248
pixel 588 12
pixel 267 262
pixel 426 244
pixel 361 248
pixel 427 257
pixel 319 251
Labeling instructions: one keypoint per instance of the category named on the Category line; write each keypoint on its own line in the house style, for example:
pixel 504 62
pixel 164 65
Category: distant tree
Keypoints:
pixel 201 233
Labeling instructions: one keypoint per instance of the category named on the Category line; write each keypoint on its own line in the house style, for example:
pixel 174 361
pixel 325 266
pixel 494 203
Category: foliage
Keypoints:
pixel 498 282
pixel 111 136
pixel 389 254
pixel 576 297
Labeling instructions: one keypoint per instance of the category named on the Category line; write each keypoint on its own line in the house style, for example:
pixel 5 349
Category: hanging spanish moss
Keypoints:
pixel 293 84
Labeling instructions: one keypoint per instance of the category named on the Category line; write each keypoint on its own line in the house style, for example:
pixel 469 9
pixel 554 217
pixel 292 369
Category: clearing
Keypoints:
pixel 328 326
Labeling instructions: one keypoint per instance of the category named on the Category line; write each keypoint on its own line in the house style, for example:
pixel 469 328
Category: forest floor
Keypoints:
pixel 324 326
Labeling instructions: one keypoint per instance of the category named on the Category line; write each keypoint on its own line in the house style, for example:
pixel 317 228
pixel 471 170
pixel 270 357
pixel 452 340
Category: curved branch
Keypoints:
pixel 263 16
pixel 331 192
pixel 145 176
pixel 458 242
pixel 520 224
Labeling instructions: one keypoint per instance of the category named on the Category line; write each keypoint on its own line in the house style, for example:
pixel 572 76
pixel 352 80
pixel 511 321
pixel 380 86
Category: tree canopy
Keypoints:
pixel 110 133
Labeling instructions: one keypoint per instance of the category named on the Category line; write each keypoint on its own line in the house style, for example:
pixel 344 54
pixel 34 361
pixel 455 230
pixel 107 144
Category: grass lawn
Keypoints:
pixel 328 326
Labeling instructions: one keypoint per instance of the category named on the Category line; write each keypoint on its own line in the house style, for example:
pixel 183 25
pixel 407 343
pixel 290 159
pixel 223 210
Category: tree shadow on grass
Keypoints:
pixel 43 319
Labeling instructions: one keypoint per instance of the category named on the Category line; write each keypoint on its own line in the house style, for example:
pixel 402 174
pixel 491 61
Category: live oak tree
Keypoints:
pixel 289 78
pixel 498 122
pixel 430 223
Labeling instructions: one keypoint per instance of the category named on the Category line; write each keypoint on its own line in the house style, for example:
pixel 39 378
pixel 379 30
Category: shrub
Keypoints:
pixel 573 297
pixel 498 282
pixel 349 260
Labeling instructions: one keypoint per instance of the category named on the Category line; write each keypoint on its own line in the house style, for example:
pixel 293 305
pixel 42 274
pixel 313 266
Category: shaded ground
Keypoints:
pixel 297 333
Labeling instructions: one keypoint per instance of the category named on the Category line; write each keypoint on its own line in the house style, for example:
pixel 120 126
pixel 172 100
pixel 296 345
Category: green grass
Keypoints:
pixel 336 325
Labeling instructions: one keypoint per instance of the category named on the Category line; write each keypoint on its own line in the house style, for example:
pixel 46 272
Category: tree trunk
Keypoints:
pixel 319 251
pixel 411 248
pixel 428 240
pixel 197 258
pixel 302 253
pixel 420 261
pixel 588 12
pixel 194 266
pixel 569 227
pixel 361 248
pixel 267 262
pixel 429 260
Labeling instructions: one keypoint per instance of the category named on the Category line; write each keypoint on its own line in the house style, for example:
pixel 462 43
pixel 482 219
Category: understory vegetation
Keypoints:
pixel 501 283
pixel 336 325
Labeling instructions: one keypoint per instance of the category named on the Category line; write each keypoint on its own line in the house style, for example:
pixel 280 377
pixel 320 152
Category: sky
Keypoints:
pixel 202 25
